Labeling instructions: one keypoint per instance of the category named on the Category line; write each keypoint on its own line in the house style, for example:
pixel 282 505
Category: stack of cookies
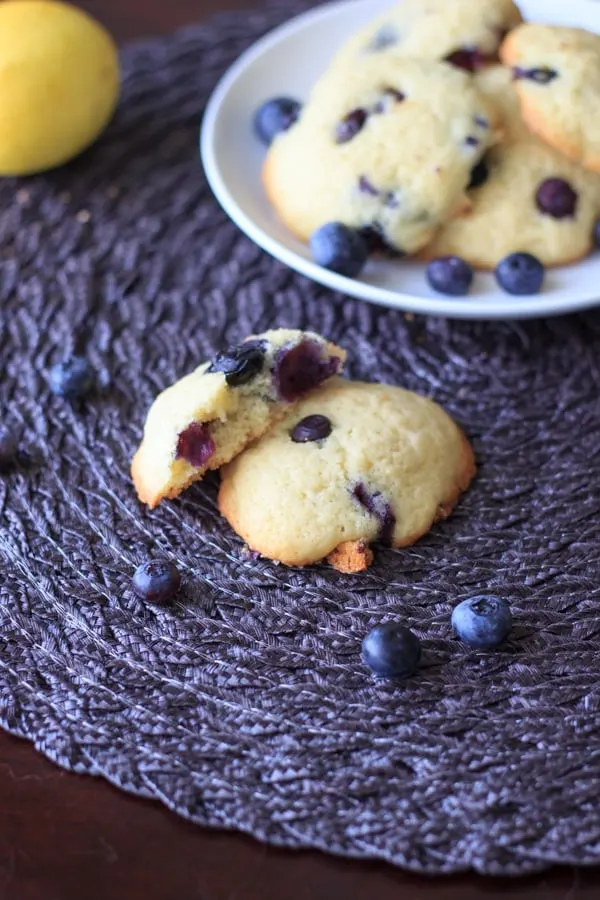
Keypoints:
pixel 446 128
pixel 312 466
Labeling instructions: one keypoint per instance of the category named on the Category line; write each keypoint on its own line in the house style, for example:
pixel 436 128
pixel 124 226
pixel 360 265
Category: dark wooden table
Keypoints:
pixel 65 837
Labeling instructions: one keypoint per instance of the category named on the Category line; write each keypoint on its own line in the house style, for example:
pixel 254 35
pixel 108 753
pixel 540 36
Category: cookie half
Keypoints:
pixel 209 416
pixel 387 147
pixel 353 464
pixel 466 33
pixel 557 77
pixel 529 197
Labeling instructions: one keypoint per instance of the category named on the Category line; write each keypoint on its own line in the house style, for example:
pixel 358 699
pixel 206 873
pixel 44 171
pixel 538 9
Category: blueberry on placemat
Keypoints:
pixel 275 116
pixel 450 275
pixel 73 378
pixel 482 622
pixel 311 428
pixel 9 445
pixel 520 274
pixel 339 248
pixel 392 650
pixel 156 581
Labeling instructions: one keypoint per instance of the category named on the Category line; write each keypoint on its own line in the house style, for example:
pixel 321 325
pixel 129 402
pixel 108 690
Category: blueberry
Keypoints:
pixel 450 275
pixel 479 175
pixel 520 274
pixel 597 233
pixel 9 445
pixel 339 248
pixel 311 428
pixel 367 187
pixel 275 116
pixel 543 75
pixel 376 505
pixel 386 36
pixel 350 125
pixel 156 581
pixel 72 379
pixel 195 444
pixel 240 364
pixel 302 368
pixel 469 59
pixel 391 650
pixel 482 622
pixel 555 197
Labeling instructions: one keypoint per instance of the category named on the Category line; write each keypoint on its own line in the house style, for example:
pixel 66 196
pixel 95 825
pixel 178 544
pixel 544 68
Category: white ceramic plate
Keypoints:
pixel 288 61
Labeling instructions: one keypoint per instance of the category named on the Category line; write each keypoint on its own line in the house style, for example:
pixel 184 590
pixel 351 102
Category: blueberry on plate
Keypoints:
pixel 391 650
pixel 72 379
pixel 156 581
pixel 450 275
pixel 520 274
pixel 9 445
pixel 275 116
pixel 482 622
pixel 339 248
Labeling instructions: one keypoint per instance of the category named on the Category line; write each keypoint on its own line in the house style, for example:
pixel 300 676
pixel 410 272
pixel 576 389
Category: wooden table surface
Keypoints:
pixel 67 837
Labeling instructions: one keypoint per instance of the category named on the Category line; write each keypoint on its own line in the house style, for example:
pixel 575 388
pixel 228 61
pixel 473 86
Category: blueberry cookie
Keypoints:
pixel 466 33
pixel 387 149
pixel 206 418
pixel 557 77
pixel 526 196
pixel 352 464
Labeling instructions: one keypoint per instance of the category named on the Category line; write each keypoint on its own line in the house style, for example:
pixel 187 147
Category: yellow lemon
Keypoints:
pixel 59 84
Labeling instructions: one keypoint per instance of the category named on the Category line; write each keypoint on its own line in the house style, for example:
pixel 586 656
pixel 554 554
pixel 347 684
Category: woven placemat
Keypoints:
pixel 246 706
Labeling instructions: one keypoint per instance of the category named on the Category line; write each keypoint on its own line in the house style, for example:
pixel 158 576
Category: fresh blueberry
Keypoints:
pixel 240 364
pixel 520 274
pixel 195 444
pixel 275 116
pixel 301 368
pixel 72 379
pixel 479 175
pixel 542 75
pixel 311 428
pixel 391 650
pixel 156 581
pixel 339 248
pixel 350 125
pixel 450 275
pixel 469 59
pixel 597 233
pixel 555 197
pixel 9 446
pixel 482 622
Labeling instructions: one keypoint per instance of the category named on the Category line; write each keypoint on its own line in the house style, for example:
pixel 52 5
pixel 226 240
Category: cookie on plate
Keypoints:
pixel 206 418
pixel 528 197
pixel 466 33
pixel 557 77
pixel 353 464
pixel 387 148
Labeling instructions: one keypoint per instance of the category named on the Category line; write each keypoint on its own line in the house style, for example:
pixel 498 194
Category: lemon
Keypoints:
pixel 59 84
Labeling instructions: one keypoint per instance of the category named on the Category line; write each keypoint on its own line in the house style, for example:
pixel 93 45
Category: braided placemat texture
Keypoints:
pixel 246 706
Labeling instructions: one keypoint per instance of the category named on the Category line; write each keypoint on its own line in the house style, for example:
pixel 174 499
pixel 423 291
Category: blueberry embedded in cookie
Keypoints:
pixel 353 464
pixel 557 78
pixel 209 416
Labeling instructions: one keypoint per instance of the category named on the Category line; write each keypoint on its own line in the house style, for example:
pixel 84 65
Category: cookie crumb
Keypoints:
pixel 23 195
pixel 83 216
pixel 351 557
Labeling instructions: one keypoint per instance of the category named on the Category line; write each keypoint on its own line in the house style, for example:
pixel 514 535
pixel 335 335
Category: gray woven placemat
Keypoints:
pixel 246 707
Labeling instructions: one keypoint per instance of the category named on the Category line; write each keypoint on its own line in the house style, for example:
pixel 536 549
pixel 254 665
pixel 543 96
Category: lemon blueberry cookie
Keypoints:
pixel 557 77
pixel 206 418
pixel 527 197
pixel 386 149
pixel 466 33
pixel 352 464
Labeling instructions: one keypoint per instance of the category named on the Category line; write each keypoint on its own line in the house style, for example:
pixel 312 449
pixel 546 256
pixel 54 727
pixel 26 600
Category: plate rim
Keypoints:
pixel 510 307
